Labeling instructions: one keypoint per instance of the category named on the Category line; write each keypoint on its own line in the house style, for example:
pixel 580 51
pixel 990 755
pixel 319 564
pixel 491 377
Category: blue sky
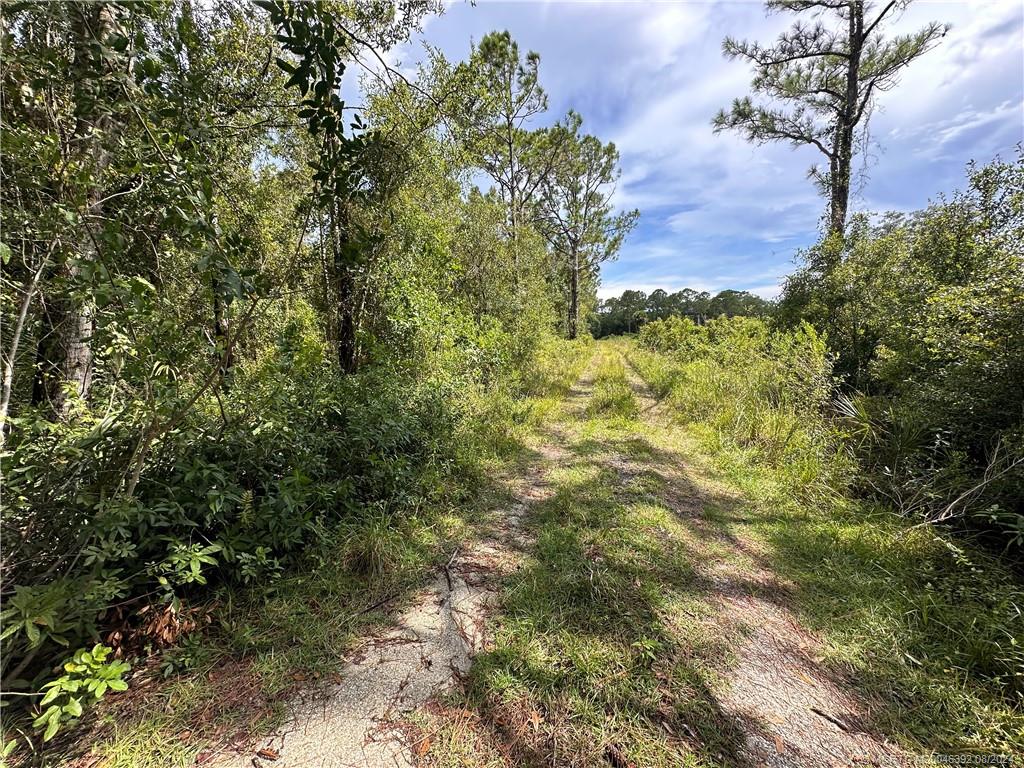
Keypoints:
pixel 717 212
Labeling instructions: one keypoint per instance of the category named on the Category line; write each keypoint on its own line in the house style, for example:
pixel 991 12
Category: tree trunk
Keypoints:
pixel 839 200
pixel 221 332
pixel 347 331
pixel 345 289
pixel 11 356
pixel 64 353
pixel 574 296
pixel 842 148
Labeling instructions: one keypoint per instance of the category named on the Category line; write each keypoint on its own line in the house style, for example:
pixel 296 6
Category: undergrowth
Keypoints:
pixel 234 660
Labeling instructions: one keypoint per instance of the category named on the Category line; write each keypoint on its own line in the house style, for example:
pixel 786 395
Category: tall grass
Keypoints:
pixel 612 394
pixel 501 417
pixel 745 387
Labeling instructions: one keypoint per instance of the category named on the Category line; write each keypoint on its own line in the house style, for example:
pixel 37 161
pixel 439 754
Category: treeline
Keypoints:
pixel 246 322
pixel 629 312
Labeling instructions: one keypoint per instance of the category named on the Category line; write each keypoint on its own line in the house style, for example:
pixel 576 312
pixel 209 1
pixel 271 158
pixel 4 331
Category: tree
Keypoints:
pixel 505 96
pixel 733 303
pixel 351 167
pixel 64 360
pixel 924 318
pixel 576 209
pixel 830 77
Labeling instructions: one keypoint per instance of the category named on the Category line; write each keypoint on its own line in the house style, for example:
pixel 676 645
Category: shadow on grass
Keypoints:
pixel 929 635
pixel 604 645
pixel 925 630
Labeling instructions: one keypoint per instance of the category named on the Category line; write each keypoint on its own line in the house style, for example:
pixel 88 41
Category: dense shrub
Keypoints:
pixel 235 492
pixel 925 317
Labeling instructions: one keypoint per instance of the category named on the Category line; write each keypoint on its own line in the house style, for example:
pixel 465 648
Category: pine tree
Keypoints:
pixel 829 76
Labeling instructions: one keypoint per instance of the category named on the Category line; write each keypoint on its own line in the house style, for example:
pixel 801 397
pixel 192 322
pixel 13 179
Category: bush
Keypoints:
pixel 231 501
pixel 924 315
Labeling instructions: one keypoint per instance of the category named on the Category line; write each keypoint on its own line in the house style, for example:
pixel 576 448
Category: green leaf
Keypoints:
pixel 51 694
pixel 73 707
pixel 51 713
pixel 286 66
pixel 141 286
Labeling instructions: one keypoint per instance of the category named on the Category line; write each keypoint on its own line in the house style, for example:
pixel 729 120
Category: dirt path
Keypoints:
pixel 792 713
pixel 357 721
pixel 361 719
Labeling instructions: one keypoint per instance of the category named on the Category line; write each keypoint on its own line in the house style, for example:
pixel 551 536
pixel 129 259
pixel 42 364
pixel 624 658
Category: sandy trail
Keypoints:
pixel 792 712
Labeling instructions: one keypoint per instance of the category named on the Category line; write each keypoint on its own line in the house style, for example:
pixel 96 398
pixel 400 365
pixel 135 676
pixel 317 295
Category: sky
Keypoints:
pixel 717 212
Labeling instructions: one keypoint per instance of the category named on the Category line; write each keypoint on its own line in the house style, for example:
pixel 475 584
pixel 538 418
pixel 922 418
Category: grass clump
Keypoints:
pixel 612 396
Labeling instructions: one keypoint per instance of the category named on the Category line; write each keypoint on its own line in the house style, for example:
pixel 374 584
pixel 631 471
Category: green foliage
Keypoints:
pixel 88 675
pixel 929 628
pixel 678 335
pixel 766 392
pixel 254 331
pixel 612 394
pixel 925 316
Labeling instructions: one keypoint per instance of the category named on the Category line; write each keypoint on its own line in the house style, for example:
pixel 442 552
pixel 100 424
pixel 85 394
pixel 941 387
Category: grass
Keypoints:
pixel 264 645
pixel 931 630
pixel 612 395
pixel 609 645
